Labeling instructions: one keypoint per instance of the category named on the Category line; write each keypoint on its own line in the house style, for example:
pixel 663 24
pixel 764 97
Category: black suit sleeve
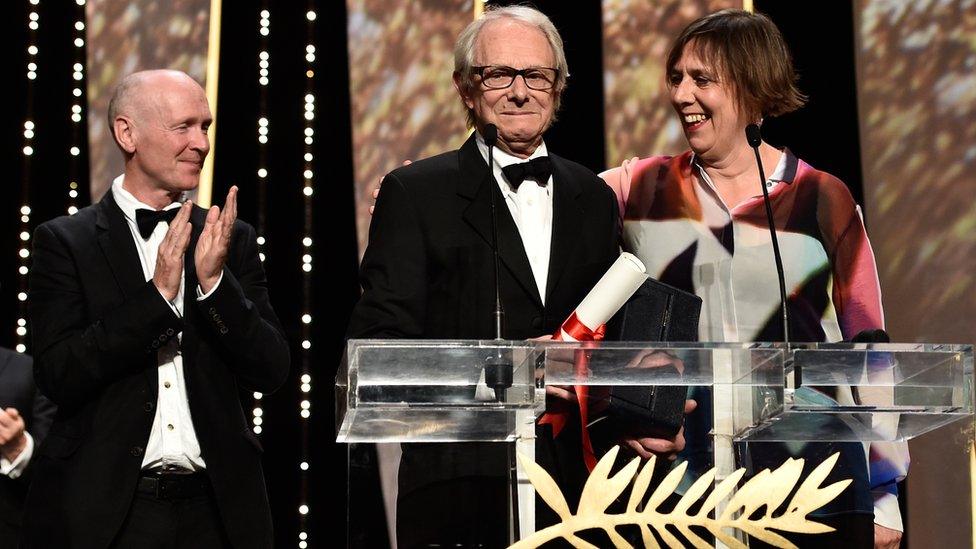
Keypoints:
pixel 239 313
pixel 39 423
pixel 42 415
pixel 74 358
pixel 393 272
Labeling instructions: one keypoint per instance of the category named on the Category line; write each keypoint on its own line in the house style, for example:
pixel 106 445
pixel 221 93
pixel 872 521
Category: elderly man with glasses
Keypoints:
pixel 428 271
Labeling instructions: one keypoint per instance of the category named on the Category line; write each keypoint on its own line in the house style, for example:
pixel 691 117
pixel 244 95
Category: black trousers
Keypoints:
pixel 8 535
pixel 172 523
pixel 464 513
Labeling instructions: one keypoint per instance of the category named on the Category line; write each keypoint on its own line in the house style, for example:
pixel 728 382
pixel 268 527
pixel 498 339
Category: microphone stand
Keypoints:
pixel 499 370
pixel 754 138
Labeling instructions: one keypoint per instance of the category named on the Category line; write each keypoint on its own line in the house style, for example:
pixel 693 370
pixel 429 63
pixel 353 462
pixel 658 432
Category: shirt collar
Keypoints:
pixel 129 203
pixel 502 158
pixel 784 172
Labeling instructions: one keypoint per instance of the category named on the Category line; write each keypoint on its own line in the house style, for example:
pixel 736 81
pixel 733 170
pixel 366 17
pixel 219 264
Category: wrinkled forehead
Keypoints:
pixel 179 100
pixel 513 43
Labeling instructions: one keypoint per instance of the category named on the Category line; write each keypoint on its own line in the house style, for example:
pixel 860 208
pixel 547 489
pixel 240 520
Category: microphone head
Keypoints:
pixel 490 134
pixel 753 135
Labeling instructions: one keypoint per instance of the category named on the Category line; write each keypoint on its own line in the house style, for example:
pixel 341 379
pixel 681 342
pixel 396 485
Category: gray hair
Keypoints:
pixel 465 45
pixel 125 92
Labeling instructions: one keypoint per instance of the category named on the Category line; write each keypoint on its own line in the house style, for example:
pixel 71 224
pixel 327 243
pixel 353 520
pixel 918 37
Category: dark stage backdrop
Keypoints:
pixel 591 130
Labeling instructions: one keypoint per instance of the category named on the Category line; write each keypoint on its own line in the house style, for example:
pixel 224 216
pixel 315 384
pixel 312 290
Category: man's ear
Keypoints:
pixel 463 91
pixel 123 132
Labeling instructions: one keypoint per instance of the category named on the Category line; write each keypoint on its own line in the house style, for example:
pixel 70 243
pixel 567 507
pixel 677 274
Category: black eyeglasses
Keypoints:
pixel 499 77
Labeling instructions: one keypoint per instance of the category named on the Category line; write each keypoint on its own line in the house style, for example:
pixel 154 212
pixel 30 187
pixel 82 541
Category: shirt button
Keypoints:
pixel 166 384
pixel 170 426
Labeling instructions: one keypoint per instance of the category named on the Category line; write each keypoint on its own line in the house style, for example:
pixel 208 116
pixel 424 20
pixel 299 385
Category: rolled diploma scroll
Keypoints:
pixel 606 298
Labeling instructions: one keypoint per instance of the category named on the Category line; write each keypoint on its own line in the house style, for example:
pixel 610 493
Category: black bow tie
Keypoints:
pixel 538 168
pixel 148 219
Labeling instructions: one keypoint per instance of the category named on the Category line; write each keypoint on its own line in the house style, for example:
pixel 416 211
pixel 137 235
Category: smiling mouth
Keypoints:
pixel 694 121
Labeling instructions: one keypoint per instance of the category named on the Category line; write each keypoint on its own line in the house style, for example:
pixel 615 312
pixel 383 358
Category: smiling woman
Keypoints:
pixel 723 74
pixel 697 221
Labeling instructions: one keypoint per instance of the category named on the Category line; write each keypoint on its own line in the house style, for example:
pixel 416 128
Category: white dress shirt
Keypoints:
pixel 531 208
pixel 15 468
pixel 172 440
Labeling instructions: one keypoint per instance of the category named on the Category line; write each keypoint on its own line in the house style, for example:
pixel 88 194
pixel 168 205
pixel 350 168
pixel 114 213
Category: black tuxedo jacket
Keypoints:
pixel 428 273
pixel 17 390
pixel 428 269
pixel 97 326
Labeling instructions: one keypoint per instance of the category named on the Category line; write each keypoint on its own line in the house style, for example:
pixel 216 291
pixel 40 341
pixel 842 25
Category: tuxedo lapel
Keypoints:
pixel 198 218
pixel 115 240
pixel 567 213
pixel 188 341
pixel 475 185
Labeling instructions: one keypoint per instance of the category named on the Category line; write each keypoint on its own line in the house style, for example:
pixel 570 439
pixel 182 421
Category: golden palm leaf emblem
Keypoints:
pixel 769 488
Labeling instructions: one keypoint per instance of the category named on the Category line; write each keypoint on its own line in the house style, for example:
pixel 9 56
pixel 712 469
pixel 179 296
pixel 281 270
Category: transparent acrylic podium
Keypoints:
pixel 408 391
pixel 428 391
pixel 397 393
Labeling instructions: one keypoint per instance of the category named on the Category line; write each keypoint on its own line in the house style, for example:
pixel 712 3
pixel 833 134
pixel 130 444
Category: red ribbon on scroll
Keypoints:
pixel 558 415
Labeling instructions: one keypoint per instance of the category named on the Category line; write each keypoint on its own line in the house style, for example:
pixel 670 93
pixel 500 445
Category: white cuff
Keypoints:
pixel 201 296
pixel 15 468
pixel 886 511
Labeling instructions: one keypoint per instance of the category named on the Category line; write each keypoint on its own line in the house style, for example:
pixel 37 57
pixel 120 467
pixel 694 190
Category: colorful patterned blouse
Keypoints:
pixel 679 226
pixel 688 237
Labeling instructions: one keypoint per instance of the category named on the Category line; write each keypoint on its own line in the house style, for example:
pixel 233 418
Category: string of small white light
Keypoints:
pixel 23 253
pixel 77 108
pixel 264 75
pixel 308 189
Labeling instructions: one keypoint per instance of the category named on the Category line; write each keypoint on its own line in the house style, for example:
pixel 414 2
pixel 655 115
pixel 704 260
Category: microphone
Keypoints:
pixel 498 369
pixel 490 136
pixel 754 138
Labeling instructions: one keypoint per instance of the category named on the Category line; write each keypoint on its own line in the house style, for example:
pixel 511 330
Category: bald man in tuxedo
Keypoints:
pixel 150 316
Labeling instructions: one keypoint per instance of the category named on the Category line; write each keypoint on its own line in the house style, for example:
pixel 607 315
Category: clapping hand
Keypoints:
pixel 169 257
pixel 211 251
pixel 12 437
